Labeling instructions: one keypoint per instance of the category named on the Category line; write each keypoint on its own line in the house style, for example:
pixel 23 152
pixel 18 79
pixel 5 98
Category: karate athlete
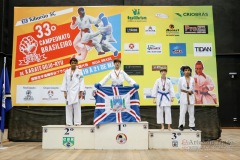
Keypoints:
pixel 203 86
pixel 86 38
pixel 117 76
pixel 106 31
pixel 186 92
pixel 73 88
pixel 163 94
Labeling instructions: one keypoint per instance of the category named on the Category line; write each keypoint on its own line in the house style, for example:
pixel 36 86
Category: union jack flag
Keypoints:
pixel 116 104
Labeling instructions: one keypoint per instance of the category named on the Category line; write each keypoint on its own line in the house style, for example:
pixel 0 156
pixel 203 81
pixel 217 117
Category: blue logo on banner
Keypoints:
pixel 177 49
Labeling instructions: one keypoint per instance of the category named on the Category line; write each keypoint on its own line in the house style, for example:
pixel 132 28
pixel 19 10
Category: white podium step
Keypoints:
pixel 68 137
pixel 175 139
pixel 122 136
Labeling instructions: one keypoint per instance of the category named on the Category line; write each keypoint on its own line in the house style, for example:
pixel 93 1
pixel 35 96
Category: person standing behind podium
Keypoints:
pixel 73 88
pixel 186 91
pixel 117 76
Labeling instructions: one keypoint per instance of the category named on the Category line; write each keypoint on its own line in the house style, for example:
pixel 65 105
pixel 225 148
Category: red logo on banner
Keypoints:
pixel 47 42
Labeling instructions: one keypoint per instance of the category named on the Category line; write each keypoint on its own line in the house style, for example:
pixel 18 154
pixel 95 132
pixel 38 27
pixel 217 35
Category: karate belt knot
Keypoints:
pixel 163 94
pixel 188 93
pixel 119 85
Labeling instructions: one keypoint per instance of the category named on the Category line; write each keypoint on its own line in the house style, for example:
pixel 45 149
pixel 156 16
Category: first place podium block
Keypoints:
pixel 68 137
pixel 175 139
pixel 122 136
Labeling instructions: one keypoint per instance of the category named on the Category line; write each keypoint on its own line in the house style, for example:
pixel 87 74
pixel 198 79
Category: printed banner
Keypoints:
pixel 144 37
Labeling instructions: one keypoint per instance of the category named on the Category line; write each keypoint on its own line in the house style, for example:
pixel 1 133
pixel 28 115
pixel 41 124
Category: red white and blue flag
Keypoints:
pixel 116 104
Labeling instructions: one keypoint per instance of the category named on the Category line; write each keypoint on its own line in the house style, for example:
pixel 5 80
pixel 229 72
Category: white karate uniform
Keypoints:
pixel 73 86
pixel 117 81
pixel 184 106
pixel 204 97
pixel 84 37
pixel 163 100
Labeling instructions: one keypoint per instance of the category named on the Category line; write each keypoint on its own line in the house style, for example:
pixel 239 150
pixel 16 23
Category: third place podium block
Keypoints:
pixel 122 136
pixel 175 139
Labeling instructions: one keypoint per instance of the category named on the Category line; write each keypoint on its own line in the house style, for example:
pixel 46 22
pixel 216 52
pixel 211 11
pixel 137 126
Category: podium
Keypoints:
pixel 122 136
pixel 130 135
pixel 175 139
pixel 68 137
pixel 106 136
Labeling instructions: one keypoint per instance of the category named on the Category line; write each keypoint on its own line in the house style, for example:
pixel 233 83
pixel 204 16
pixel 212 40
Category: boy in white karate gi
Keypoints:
pixel 117 76
pixel 187 99
pixel 73 88
pixel 163 94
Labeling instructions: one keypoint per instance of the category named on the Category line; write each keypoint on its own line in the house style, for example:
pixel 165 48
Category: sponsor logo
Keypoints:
pixel 38 17
pixel 161 15
pixel 68 141
pixel 195 29
pixel 50 95
pixel 150 29
pixel 192 14
pixel 136 16
pixel 202 49
pixel 154 48
pixel 158 67
pixel 28 96
pixel 172 31
pixel 131 48
pixel 177 49
pixel 121 138
pixel 132 30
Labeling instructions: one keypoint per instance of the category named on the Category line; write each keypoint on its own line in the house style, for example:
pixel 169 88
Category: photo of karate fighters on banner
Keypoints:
pixel 87 39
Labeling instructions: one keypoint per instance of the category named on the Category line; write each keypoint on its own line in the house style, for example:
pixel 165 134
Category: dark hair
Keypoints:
pixel 81 9
pixel 73 59
pixel 117 60
pixel 186 67
pixel 199 63
pixel 163 69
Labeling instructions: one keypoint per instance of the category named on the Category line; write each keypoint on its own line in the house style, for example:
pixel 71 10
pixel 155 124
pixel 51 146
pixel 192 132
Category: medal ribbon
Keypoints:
pixel 117 75
pixel 163 84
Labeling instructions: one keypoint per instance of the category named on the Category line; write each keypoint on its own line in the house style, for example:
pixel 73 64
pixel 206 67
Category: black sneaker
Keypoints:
pixel 181 128
pixel 193 129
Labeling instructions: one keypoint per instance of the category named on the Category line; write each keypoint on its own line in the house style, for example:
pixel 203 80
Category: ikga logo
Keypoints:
pixel 154 48
pixel 28 96
pixel 202 49
pixel 131 48
pixel 121 138
pixel 150 29
pixel 172 31
pixel 136 16
pixel 177 49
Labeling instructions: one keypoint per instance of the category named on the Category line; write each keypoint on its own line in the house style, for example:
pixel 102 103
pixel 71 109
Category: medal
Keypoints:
pixel 117 74
pixel 163 84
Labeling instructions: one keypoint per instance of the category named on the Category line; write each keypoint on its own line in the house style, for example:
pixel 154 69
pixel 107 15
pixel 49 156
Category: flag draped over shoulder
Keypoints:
pixel 116 104
pixel 6 103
